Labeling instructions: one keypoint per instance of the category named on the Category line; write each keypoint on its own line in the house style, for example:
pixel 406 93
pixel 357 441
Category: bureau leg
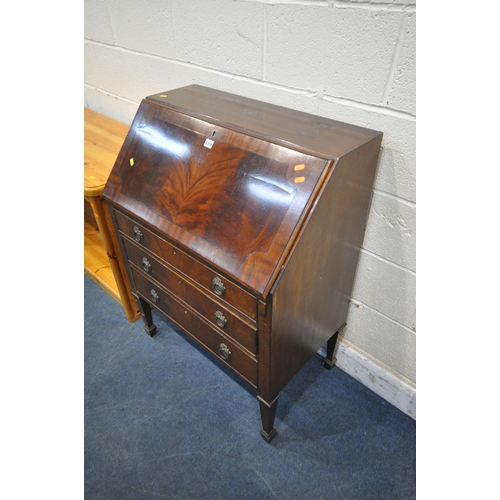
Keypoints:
pixel 145 309
pixel 267 415
pixel 329 361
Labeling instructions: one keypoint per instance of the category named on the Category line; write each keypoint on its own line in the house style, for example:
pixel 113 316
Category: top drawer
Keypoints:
pixel 215 283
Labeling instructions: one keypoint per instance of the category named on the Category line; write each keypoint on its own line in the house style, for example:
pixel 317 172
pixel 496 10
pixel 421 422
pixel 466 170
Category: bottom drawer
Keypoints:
pixel 222 347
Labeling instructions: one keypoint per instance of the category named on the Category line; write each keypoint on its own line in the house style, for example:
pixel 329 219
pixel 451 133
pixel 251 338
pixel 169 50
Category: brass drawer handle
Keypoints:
pixel 220 319
pixel 224 352
pixel 146 265
pixel 138 234
pixel 154 296
pixel 218 287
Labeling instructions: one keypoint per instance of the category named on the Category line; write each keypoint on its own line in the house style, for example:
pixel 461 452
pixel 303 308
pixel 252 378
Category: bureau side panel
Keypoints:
pixel 311 297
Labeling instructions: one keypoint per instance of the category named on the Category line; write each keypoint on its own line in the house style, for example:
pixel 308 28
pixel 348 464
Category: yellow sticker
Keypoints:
pixel 299 179
pixel 299 167
pixel 163 95
pixel 131 162
pixel 91 177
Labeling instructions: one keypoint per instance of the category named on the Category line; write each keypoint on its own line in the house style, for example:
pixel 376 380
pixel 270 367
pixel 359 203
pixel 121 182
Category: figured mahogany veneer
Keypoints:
pixel 242 222
pixel 183 263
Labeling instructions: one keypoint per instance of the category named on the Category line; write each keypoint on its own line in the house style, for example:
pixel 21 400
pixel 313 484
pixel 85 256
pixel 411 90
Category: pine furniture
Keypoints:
pixel 103 139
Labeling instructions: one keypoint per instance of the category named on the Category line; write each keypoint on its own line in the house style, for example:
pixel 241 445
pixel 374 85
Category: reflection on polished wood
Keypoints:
pixel 236 204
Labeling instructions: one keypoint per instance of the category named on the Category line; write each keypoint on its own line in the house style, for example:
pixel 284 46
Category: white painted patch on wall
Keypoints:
pixel 400 393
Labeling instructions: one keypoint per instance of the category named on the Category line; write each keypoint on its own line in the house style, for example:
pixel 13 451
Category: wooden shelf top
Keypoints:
pixel 103 139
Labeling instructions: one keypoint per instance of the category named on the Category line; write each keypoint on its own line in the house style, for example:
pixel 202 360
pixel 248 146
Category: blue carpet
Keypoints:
pixel 163 420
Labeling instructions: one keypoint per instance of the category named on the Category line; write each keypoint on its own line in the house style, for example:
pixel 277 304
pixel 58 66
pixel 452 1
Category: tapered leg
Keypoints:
pixel 329 361
pixel 145 309
pixel 267 415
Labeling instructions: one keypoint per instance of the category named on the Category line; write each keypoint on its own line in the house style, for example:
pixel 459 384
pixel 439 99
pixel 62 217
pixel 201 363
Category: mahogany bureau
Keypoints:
pixel 242 222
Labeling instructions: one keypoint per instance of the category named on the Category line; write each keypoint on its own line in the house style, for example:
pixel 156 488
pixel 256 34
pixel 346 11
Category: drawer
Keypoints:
pixel 217 315
pixel 222 347
pixel 198 272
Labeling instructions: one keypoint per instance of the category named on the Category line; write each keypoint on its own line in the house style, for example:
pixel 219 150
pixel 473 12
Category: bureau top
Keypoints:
pixel 315 134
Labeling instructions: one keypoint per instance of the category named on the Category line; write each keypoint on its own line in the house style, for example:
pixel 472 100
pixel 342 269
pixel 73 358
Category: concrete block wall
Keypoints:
pixel 349 60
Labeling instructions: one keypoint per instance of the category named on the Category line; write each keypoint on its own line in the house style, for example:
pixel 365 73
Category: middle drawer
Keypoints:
pixel 215 313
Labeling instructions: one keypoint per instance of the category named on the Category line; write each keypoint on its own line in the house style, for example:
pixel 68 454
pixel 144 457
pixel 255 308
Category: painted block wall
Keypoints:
pixel 352 61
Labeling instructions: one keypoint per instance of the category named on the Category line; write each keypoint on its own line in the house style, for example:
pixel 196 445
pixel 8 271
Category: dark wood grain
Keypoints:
pixel 271 215
pixel 260 199
pixel 145 310
pixel 276 124
pixel 179 177
pixel 188 266
pixel 187 319
pixel 311 299
pixel 241 331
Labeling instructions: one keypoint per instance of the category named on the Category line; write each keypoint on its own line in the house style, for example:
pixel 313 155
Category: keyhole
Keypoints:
pixel 213 133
